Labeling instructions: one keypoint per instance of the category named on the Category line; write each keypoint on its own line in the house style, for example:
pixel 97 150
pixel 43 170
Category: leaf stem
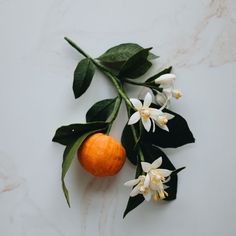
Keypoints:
pixel 105 71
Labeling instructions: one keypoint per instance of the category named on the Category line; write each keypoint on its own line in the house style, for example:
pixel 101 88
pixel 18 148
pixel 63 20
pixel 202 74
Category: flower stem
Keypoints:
pixel 133 82
pixel 115 82
pixel 149 85
pixel 135 136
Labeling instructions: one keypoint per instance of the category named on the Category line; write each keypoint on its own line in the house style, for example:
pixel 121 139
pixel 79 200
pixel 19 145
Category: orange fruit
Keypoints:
pixel 101 155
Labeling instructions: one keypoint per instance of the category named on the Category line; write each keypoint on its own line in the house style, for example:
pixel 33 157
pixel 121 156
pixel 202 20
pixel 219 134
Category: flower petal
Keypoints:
pixel 148 196
pixel 166 79
pixel 168 92
pixel 168 116
pixel 146 124
pixel 154 186
pixel 157 163
pixel 161 99
pixel 165 186
pixel 147 100
pixel 135 191
pixel 131 183
pixel 154 113
pixel 146 181
pixel 164 172
pixel 164 127
pixel 136 103
pixel 134 118
pixel 167 179
pixel 146 166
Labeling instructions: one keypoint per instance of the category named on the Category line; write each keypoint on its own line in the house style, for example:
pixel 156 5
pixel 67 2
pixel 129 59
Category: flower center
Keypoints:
pixel 155 179
pixel 162 120
pixel 145 113
pixel 178 94
pixel 144 190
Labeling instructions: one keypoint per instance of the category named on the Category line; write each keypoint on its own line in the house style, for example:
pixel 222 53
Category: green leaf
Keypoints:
pixel 68 157
pixel 66 135
pixel 115 58
pixel 133 202
pixel 101 110
pixel 83 76
pixel 129 143
pixel 136 65
pixel 120 53
pixel 179 133
pixel 165 71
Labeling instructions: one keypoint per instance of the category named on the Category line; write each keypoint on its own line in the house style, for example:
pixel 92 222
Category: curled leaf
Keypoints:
pixel 68 157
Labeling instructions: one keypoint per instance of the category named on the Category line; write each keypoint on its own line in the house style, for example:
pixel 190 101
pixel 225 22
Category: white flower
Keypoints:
pixel 155 178
pixel 144 112
pixel 151 184
pixel 166 80
pixel 141 187
pixel 149 115
pixel 176 93
pixel 171 92
pixel 162 99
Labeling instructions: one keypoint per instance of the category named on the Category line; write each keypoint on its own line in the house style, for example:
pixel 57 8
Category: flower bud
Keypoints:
pixel 166 79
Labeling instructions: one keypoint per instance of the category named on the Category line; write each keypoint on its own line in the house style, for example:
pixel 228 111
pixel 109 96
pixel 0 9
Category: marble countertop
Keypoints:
pixel 196 37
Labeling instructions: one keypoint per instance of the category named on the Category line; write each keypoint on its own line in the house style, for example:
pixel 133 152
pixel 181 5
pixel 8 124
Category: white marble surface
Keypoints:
pixel 36 65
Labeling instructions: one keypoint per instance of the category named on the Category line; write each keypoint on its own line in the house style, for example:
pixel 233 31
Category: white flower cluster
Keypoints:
pixel 166 82
pixel 149 116
pixel 152 184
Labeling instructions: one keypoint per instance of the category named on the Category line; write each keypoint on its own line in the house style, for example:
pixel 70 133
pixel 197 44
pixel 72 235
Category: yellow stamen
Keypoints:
pixel 144 190
pixel 156 197
pixel 178 94
pixel 162 120
pixel 145 113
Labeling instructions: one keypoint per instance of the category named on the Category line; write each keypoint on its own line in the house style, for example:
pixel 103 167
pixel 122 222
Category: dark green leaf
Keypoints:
pixel 66 135
pixel 129 143
pixel 114 68
pixel 83 76
pixel 101 110
pixel 165 71
pixel 68 157
pixel 179 133
pixel 120 53
pixel 136 65
pixel 133 202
